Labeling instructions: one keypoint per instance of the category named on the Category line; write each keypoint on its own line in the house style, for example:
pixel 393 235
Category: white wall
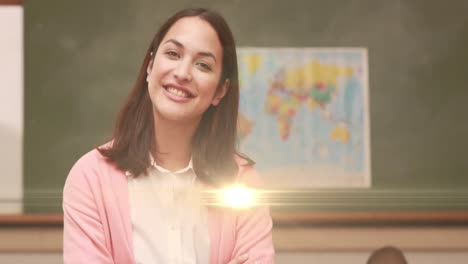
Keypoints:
pixel 11 108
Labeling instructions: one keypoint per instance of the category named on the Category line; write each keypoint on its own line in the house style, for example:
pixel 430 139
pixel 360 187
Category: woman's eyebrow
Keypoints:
pixel 175 42
pixel 201 53
pixel 207 54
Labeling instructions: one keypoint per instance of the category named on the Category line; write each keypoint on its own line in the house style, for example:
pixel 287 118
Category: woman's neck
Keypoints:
pixel 174 143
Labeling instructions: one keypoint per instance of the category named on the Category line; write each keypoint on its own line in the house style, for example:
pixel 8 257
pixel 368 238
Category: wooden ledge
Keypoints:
pixel 31 220
pixel 291 218
pixel 11 2
pixel 362 218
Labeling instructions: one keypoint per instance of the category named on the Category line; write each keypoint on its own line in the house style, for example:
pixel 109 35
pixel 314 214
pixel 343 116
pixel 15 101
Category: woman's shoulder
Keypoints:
pixel 247 174
pixel 243 160
pixel 91 164
pixel 91 159
pixel 91 183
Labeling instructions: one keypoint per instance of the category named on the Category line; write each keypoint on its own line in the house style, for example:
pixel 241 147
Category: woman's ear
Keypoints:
pixel 150 66
pixel 221 92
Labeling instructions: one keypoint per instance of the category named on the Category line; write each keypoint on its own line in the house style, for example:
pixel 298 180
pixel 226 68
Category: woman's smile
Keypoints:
pixel 178 93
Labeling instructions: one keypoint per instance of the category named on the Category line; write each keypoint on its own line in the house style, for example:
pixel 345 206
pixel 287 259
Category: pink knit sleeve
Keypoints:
pixel 83 236
pixel 254 228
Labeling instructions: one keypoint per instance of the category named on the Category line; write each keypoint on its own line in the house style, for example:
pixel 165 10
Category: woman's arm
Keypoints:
pixel 254 236
pixel 83 235
pixel 254 228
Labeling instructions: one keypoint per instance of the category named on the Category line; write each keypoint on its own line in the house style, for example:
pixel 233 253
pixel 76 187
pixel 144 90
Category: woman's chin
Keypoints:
pixel 176 115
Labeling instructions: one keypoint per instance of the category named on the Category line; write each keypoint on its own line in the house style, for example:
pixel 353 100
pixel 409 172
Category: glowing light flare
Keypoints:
pixel 236 196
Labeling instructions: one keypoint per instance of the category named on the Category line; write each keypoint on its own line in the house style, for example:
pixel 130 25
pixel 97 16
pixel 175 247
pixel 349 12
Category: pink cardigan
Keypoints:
pixel 97 225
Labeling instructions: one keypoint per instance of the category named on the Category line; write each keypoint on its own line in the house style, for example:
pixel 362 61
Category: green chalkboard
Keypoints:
pixel 81 58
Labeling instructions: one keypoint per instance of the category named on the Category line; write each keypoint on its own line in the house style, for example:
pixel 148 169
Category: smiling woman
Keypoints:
pixel 139 198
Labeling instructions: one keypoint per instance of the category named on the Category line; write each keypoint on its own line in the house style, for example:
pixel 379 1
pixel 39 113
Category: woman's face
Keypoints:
pixel 186 71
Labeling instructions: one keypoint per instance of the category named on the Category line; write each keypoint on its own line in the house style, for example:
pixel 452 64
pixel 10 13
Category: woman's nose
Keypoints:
pixel 182 72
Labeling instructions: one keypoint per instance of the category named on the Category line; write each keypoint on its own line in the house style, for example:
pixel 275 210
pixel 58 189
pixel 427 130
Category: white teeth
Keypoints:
pixel 177 92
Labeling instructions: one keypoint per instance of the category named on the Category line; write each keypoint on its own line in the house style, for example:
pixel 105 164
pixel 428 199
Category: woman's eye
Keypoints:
pixel 172 54
pixel 204 66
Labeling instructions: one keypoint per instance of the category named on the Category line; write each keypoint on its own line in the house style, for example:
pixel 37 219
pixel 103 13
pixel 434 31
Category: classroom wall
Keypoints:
pixel 296 258
pixel 436 115
pixel 313 245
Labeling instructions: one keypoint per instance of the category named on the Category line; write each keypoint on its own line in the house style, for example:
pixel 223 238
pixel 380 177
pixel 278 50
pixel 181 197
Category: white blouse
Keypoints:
pixel 169 221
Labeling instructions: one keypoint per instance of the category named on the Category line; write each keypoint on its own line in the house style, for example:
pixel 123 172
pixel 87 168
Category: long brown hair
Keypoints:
pixel 214 142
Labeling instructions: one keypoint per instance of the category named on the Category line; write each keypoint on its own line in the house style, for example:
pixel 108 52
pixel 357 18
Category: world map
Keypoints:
pixel 304 115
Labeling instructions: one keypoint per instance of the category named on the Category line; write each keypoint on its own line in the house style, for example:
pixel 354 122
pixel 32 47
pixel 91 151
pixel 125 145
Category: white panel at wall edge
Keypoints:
pixel 11 108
